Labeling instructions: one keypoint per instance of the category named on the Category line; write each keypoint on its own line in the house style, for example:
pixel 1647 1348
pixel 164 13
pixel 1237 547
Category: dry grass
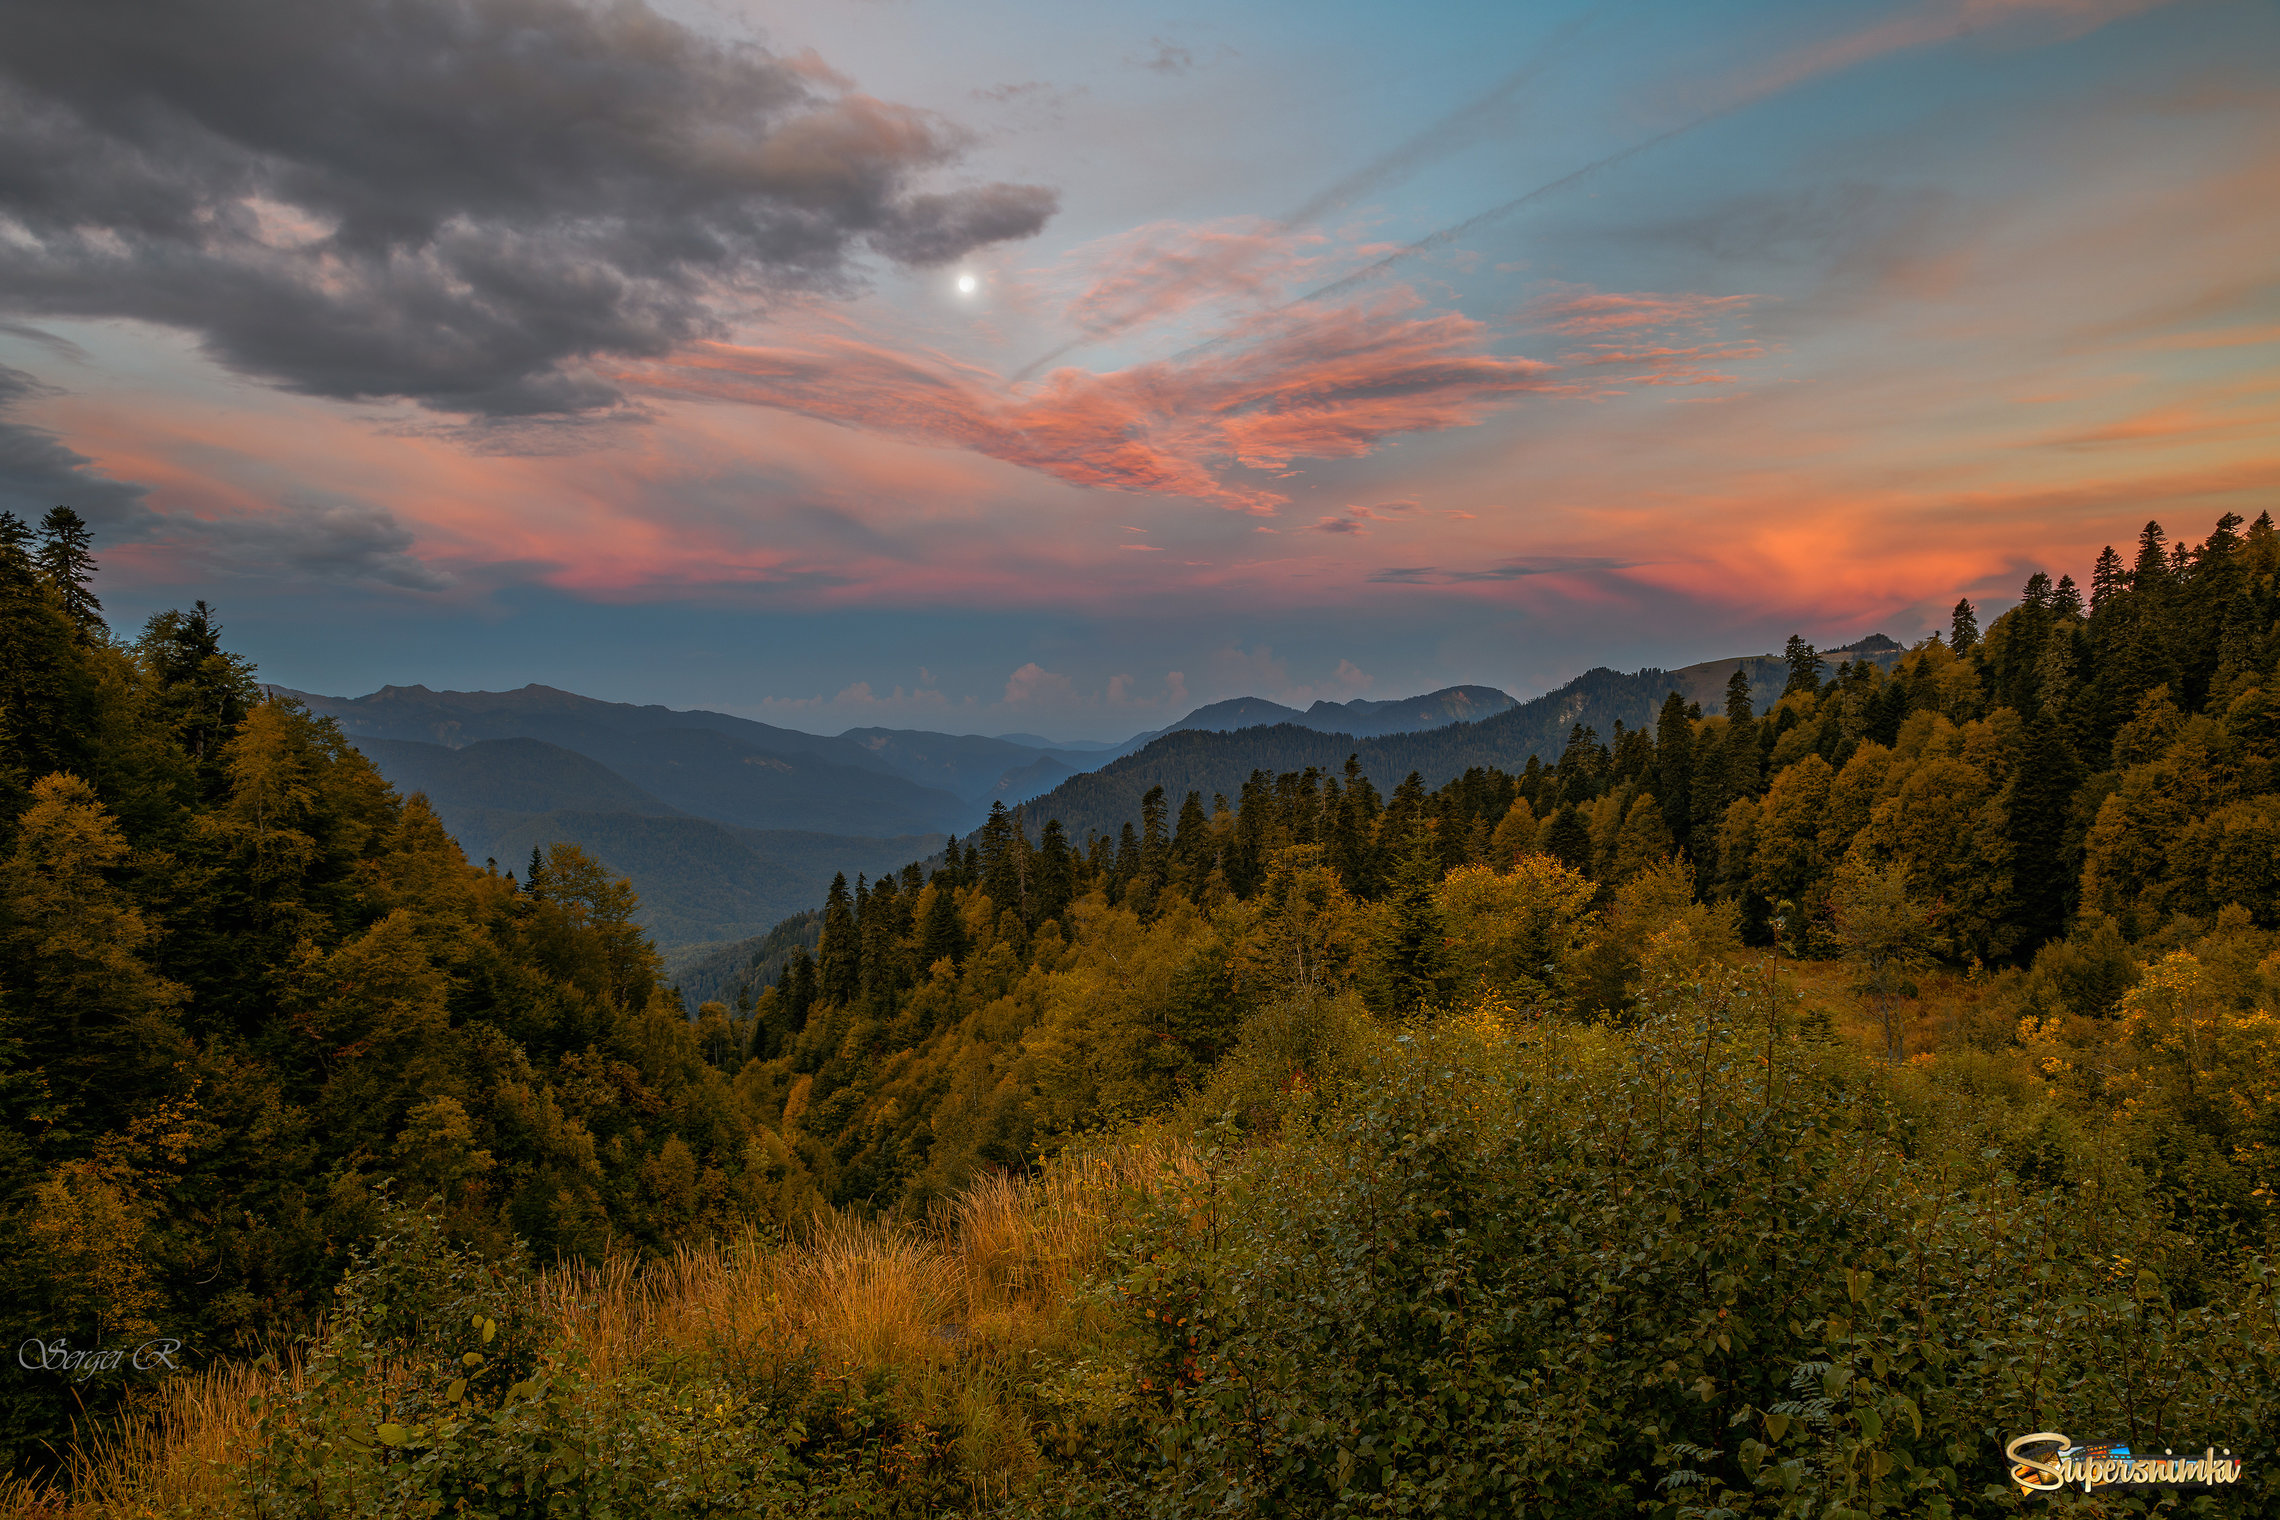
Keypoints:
pixel 174 1456
pixel 938 1306
pixel 1932 1021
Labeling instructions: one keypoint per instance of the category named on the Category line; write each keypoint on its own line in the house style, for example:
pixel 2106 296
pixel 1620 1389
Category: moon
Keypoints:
pixel 967 284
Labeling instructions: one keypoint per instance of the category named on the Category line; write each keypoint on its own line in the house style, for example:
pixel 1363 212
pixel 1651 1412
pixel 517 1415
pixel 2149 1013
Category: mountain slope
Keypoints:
pixel 1199 760
pixel 456 718
pixel 966 765
pixel 1207 762
pixel 700 880
pixel 703 882
pixel 510 775
pixel 1436 709
pixel 1358 718
pixel 730 769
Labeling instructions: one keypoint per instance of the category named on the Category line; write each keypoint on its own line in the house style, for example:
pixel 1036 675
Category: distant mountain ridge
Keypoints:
pixel 1213 763
pixel 1359 718
pixel 725 824
pixel 700 880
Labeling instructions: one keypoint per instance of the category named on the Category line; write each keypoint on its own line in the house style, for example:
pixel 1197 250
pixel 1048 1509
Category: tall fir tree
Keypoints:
pixel 1414 958
pixel 2108 579
pixel 2042 788
pixel 1567 839
pixel 941 936
pixel 1053 881
pixel 67 563
pixel 1674 766
pixel 839 955
pixel 1805 666
pixel 1963 627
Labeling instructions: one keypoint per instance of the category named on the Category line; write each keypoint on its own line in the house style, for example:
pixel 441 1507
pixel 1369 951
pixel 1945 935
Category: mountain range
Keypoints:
pixel 727 826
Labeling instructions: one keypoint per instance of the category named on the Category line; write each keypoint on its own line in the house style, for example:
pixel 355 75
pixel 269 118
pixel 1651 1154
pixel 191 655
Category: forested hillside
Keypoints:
pixel 2080 779
pixel 1218 763
pixel 1554 1065
pixel 248 988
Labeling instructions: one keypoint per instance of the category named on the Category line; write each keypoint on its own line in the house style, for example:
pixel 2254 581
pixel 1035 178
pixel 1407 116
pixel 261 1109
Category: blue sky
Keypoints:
pixel 1056 368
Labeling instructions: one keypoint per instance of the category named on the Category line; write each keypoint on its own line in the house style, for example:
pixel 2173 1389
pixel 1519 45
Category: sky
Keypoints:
pixel 1057 368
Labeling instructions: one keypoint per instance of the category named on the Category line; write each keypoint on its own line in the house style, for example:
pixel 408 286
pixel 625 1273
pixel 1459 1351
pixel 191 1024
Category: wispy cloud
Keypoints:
pixel 1577 311
pixel 1336 385
pixel 1509 570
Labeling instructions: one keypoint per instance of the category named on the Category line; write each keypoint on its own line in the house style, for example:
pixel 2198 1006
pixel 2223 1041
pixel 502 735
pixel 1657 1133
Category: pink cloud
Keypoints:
pixel 1165 268
pixel 1943 21
pixel 1578 311
pixel 1318 385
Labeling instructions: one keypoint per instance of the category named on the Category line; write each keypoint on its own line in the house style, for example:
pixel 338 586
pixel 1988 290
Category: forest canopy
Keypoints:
pixel 254 1004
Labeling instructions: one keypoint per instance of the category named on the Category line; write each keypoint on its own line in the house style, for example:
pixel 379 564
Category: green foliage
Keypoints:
pixel 441 1389
pixel 1702 1267
pixel 1619 1236
pixel 242 983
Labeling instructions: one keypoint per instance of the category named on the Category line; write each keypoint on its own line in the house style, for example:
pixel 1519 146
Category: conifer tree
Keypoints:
pixel 1581 764
pixel 1739 708
pixel 1644 842
pixel 1743 752
pixel 1054 882
pixel 74 945
pixel 2041 790
pixel 1126 870
pixel 1414 958
pixel 2150 575
pixel 1567 839
pixel 1805 666
pixel 1963 627
pixel 204 691
pixel 839 970
pixel 941 936
pixel 2107 580
pixel 1155 840
pixel 67 563
pixel 1191 844
pixel 1674 766
pixel 1005 866
pixel 46 694
pixel 799 989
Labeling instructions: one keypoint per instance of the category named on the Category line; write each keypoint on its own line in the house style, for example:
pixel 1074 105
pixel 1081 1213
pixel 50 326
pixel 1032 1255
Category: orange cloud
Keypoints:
pixel 1944 21
pixel 1323 385
pixel 1579 311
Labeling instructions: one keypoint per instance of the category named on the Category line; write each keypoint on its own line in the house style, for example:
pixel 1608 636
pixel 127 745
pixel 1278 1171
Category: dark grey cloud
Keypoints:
pixel 338 541
pixel 1510 570
pixel 58 347
pixel 457 201
pixel 38 470
pixel 342 543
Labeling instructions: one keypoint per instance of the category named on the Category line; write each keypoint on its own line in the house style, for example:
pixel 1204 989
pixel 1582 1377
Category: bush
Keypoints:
pixel 1699 1268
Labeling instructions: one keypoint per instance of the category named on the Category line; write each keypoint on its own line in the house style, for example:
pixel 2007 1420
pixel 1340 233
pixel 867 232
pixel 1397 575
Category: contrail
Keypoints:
pixel 1450 234
pixel 1773 85
pixel 1450 132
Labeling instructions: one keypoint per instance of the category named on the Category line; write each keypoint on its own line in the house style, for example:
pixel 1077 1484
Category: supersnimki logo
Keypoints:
pixel 2050 1460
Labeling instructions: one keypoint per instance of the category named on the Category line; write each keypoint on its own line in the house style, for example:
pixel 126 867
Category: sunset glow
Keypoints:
pixel 1011 367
